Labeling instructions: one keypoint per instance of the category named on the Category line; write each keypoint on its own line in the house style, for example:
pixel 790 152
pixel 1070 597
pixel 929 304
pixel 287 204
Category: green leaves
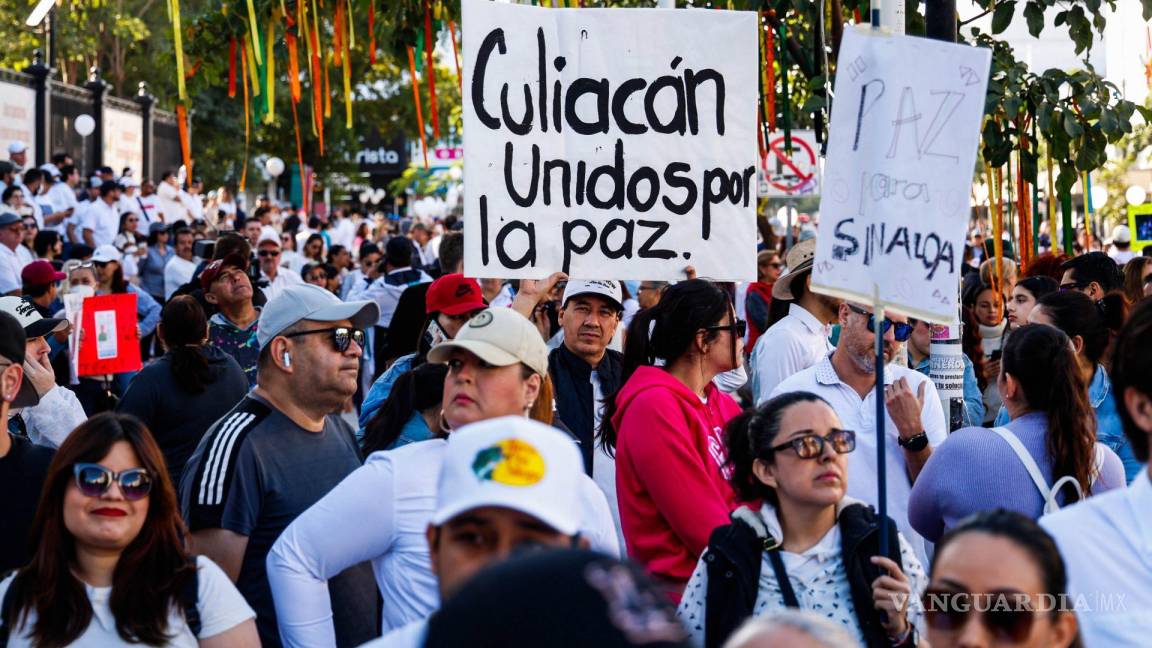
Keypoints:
pixel 1034 14
pixel 1002 15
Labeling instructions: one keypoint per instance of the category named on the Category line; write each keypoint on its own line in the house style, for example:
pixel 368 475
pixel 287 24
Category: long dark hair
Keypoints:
pixel 1131 358
pixel 1041 359
pixel 971 345
pixel 151 570
pixel 682 311
pixel 1039 287
pixel 413 392
pixel 1133 279
pixel 1077 315
pixel 1025 533
pixel 118 285
pixel 183 327
pixel 750 436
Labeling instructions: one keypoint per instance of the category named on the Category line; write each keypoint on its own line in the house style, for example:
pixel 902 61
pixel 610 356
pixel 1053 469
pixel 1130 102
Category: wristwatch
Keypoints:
pixel 915 443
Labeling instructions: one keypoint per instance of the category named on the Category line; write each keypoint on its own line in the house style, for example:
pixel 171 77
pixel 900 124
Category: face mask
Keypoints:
pixel 731 380
pixel 83 291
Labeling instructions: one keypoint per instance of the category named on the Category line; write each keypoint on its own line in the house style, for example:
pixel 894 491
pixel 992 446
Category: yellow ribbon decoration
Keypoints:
pixel 252 28
pixel 247 118
pixel 270 77
pixel 351 33
pixel 174 8
pixel 249 51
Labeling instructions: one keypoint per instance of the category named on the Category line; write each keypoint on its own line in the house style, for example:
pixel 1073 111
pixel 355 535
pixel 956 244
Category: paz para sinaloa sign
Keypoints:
pixel 609 143
pixel 901 152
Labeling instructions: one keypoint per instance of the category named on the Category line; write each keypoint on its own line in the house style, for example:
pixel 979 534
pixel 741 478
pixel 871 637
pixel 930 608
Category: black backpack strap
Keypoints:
pixel 786 590
pixel 189 596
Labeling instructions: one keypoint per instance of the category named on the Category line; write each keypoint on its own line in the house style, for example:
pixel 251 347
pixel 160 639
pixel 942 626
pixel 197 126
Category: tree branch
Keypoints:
pixel 974 18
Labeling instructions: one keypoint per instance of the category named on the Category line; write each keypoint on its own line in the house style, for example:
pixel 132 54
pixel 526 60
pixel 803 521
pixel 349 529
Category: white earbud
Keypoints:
pixel 287 360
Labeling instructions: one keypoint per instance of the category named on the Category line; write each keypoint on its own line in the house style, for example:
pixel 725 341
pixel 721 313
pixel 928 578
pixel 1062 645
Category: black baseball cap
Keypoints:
pixel 561 599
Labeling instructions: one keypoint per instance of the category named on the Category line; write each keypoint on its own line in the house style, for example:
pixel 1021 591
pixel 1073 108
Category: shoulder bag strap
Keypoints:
pixel 786 590
pixel 189 596
pixel 1048 493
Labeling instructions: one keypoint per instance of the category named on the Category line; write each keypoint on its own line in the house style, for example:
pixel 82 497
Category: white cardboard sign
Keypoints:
pixel 609 143
pixel 902 148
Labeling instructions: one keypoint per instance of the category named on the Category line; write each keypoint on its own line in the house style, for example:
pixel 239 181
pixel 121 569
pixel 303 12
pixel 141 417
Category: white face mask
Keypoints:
pixel 731 380
pixel 83 291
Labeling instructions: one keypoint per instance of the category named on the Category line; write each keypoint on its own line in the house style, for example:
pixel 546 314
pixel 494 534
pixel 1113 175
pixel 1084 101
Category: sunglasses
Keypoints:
pixel 342 336
pixel 901 330
pixel 811 446
pixel 947 610
pixel 1073 286
pixel 739 328
pixel 317 277
pixel 94 480
pixel 269 253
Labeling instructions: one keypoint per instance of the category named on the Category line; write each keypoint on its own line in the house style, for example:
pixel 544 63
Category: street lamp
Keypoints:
pixel 274 166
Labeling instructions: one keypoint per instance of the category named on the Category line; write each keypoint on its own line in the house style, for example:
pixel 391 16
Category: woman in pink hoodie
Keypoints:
pixel 666 426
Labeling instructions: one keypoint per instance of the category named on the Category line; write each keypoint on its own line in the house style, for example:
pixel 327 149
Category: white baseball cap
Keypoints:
pixel 499 336
pixel 1121 234
pixel 50 169
pixel 308 302
pixel 607 289
pixel 106 253
pixel 17 147
pixel 515 463
pixel 268 235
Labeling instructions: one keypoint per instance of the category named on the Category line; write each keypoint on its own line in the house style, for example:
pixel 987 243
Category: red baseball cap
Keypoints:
pixel 40 273
pixel 454 294
pixel 213 271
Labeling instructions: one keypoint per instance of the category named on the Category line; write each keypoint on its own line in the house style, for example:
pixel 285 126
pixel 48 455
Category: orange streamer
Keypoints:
pixel 293 67
pixel 338 36
pixel 185 143
pixel 416 100
pixel 371 32
pixel 232 68
pixel 770 71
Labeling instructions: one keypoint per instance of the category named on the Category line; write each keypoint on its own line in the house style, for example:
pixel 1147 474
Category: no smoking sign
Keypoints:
pixel 791 173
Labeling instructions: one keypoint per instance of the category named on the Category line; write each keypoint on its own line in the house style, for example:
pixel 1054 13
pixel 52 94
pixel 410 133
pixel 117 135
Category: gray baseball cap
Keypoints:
pixel 308 302
pixel 8 217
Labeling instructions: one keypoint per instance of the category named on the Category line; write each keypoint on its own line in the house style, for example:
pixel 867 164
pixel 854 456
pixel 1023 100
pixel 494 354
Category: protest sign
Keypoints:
pixel 109 340
pixel 795 172
pixel 609 143
pixel 902 148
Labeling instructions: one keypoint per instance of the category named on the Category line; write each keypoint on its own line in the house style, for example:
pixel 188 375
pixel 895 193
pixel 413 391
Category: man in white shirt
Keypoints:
pixel 102 218
pixel 1106 540
pixel 192 199
pixel 147 202
pixel 800 339
pixel 485 512
pixel 1121 248
pixel 914 422
pixel 342 230
pixel 11 233
pixel 182 265
pixel 422 237
pixel 62 193
pixel 169 200
pixel 268 252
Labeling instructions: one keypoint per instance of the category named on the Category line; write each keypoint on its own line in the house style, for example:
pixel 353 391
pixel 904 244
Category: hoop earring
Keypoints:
pixel 444 427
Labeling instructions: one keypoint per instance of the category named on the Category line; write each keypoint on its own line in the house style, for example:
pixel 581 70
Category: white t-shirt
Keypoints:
pixel 10 268
pixel 177 273
pixel 380 513
pixel 220 604
pixel 104 221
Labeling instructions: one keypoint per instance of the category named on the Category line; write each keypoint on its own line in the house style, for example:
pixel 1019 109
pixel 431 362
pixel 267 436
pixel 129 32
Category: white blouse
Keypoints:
pixel 818 577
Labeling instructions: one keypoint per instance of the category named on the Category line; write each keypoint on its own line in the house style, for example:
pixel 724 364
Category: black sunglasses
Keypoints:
pixel 949 611
pixel 811 446
pixel 342 336
pixel 94 480
pixel 901 330
pixel 1073 286
pixel 269 253
pixel 739 328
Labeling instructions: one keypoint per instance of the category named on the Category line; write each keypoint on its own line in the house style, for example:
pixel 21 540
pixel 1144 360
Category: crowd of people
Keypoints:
pixel 337 438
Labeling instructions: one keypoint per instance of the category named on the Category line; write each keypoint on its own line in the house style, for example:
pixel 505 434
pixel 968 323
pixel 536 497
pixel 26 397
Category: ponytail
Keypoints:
pixel 183 328
pixel 1042 361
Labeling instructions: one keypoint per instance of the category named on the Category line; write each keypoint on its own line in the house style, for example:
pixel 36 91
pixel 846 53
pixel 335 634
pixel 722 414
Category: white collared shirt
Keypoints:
pixel 10 268
pixel 104 221
pixel 1106 542
pixel 859 414
pixel 284 278
pixel 789 346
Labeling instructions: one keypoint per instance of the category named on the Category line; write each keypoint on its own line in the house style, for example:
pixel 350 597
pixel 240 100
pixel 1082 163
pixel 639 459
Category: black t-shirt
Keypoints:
pixel 254 471
pixel 22 473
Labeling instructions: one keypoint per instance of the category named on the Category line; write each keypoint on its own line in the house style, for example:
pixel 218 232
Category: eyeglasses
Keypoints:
pixel 811 446
pixel 342 336
pixel 1073 286
pixel 776 266
pixel 901 330
pixel 94 480
pixel 269 253
pixel 739 328
pixel 949 611
pixel 321 276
